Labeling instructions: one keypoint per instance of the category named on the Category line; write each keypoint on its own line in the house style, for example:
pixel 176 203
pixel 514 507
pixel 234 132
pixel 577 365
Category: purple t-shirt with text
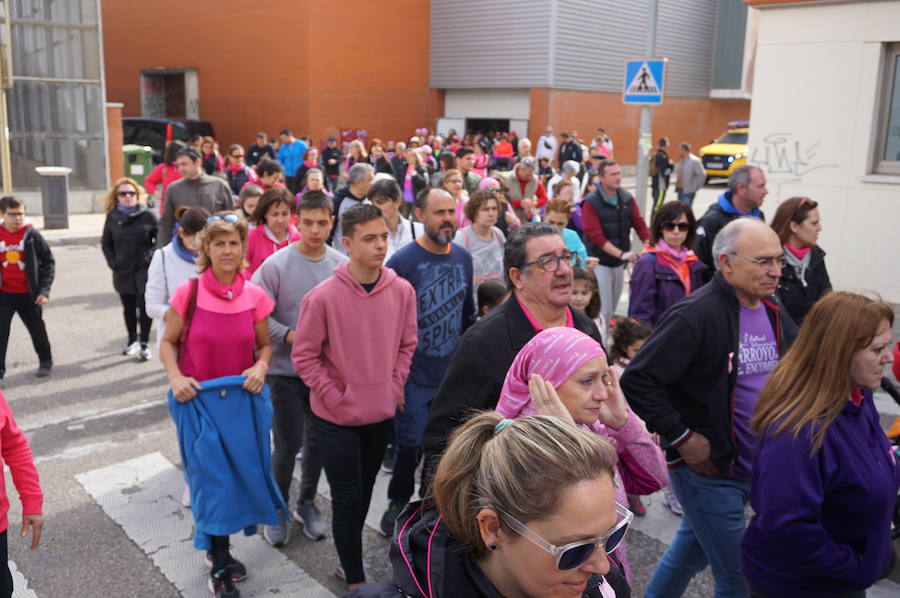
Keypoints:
pixel 757 356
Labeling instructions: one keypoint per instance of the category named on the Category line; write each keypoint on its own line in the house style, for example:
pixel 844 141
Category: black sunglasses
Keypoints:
pixel 682 226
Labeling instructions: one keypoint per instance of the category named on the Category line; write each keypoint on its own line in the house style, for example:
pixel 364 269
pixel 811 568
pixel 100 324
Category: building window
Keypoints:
pixel 887 150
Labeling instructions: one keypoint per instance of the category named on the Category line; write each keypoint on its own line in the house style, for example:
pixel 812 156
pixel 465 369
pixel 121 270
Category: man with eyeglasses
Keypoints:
pixel 609 213
pixel 695 383
pixel 27 269
pixel 744 197
pixel 195 188
pixel 538 271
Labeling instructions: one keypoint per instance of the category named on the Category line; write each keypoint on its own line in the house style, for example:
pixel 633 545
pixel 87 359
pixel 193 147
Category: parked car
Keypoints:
pixel 729 151
pixel 141 130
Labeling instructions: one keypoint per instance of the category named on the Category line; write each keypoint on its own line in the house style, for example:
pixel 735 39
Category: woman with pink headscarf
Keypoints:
pixel 565 373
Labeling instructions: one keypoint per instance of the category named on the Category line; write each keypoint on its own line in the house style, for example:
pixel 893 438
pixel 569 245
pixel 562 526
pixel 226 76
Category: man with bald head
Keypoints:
pixel 695 383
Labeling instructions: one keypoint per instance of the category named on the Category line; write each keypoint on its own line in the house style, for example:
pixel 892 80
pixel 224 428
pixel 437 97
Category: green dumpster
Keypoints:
pixel 138 161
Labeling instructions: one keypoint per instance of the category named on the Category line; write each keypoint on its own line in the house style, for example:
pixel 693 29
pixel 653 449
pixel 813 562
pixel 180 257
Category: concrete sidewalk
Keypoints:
pixel 84 229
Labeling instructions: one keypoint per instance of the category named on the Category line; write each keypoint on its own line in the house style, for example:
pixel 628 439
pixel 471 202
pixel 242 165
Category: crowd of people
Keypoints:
pixel 455 298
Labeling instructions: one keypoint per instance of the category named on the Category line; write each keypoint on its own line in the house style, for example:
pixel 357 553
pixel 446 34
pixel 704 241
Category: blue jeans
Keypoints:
pixel 710 534
pixel 687 198
pixel 408 427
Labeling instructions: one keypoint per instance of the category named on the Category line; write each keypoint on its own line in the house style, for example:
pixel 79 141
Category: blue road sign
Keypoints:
pixel 644 81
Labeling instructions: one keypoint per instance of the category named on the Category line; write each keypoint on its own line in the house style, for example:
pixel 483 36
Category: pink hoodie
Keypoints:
pixel 17 456
pixel 353 349
pixel 261 244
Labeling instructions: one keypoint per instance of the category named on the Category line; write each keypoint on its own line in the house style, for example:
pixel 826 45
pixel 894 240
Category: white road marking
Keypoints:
pixel 143 496
pixel 20 584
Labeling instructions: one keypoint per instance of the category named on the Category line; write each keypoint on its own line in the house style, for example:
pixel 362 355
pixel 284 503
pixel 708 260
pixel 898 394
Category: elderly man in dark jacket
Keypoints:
pixel 695 383
pixel 539 273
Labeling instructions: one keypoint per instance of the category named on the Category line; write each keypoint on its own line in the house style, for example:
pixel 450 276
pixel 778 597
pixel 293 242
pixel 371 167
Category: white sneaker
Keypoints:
pixel 132 349
pixel 670 500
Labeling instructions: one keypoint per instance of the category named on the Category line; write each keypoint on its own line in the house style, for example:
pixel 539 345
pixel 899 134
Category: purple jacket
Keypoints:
pixel 823 522
pixel 655 287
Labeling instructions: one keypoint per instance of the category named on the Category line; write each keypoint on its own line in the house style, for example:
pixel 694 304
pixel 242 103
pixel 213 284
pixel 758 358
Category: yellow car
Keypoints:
pixel 726 153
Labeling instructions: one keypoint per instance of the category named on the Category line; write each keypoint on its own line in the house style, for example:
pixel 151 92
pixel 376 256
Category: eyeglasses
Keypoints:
pixel 550 263
pixel 457 181
pixel 14 214
pixel 231 218
pixel 236 156
pixel 765 262
pixel 126 193
pixel 572 555
pixel 670 226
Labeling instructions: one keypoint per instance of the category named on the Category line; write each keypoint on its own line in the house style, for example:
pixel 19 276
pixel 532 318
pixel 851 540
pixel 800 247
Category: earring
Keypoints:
pixel 493 547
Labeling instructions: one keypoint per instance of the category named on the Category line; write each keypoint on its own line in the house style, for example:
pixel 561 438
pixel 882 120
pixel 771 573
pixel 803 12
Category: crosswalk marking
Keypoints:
pixel 142 495
pixel 20 584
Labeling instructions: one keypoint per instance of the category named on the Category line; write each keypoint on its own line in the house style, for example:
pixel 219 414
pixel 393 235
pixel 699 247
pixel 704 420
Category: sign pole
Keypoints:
pixel 645 136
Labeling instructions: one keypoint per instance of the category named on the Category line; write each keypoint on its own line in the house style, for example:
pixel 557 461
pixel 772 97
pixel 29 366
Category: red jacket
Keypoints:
pixel 16 454
pixel 157 176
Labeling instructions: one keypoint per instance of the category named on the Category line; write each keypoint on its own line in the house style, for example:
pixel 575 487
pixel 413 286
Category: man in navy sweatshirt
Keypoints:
pixel 695 383
pixel 441 274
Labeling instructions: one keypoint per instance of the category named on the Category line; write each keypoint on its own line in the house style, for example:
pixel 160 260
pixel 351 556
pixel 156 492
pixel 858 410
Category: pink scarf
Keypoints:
pixel 799 253
pixel 309 164
pixel 679 254
pixel 555 354
pixel 223 291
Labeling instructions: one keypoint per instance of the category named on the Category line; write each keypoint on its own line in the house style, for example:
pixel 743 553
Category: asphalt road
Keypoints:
pixel 99 409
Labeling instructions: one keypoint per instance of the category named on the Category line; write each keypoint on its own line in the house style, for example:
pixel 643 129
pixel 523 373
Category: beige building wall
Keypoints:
pixel 816 92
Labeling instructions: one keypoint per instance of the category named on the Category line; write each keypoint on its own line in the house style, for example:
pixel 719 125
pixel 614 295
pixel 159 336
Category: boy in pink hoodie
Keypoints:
pixel 16 454
pixel 356 335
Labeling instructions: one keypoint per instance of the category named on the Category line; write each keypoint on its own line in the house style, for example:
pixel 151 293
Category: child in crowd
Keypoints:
pixel 491 293
pixel 586 297
pixel 628 336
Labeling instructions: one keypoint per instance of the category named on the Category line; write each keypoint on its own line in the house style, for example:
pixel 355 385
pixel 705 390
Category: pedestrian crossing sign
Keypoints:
pixel 644 81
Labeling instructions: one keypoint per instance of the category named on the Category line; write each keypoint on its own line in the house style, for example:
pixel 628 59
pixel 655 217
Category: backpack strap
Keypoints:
pixel 188 315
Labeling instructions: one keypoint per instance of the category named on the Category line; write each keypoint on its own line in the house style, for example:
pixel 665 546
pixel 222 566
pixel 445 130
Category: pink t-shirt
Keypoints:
pixel 221 340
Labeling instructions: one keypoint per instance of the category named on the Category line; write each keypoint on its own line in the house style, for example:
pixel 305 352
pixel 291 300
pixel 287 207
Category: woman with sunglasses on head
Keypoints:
pixel 227 334
pixel 825 477
pixel 804 279
pixel 491 532
pixel 565 373
pixel 668 270
pixel 128 241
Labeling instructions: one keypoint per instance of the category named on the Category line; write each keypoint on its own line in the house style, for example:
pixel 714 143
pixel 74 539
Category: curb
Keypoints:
pixel 88 239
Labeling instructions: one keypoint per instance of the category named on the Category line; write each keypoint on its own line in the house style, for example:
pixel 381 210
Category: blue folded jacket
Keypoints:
pixel 223 436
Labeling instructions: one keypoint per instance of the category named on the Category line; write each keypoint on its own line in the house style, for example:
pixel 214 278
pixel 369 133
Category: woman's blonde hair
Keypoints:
pixel 450 173
pixel 363 154
pixel 109 200
pixel 212 230
pixel 810 386
pixel 524 469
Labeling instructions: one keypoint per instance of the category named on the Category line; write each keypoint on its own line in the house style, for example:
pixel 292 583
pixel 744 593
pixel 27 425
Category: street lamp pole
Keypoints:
pixel 645 141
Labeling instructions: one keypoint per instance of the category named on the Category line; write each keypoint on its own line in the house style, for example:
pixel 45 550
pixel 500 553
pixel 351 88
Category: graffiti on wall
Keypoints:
pixel 783 155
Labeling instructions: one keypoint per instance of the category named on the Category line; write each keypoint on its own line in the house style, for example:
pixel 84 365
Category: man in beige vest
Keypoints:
pixel 524 190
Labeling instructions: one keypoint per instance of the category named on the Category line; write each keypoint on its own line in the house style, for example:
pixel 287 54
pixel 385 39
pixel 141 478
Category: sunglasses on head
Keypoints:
pixel 573 555
pixel 232 218
pixel 670 226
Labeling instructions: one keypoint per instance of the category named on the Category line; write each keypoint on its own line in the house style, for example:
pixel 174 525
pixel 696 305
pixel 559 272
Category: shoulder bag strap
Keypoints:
pixel 188 314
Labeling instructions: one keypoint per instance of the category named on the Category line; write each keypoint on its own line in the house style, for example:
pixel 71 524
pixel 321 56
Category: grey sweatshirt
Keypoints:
pixel 207 191
pixel 287 276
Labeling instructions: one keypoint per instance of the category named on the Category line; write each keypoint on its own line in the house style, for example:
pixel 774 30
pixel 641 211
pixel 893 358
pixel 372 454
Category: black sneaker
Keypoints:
pixel 237 568
pixel 221 584
pixel 390 516
pixel 387 464
pixel 44 370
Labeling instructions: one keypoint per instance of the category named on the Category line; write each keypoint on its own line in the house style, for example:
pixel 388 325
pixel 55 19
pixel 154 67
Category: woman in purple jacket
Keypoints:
pixel 825 478
pixel 667 271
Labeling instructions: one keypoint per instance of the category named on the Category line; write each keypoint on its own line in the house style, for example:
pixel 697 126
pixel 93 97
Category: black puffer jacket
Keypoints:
pixel 428 562
pixel 798 298
pixel 128 242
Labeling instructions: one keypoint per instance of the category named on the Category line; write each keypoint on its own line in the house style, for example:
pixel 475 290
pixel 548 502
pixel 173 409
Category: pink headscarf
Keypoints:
pixel 555 354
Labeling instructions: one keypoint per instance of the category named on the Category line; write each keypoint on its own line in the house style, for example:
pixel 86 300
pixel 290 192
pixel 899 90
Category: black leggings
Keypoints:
pixel 351 457
pixel 132 308
pixel 6 582
pixel 219 553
